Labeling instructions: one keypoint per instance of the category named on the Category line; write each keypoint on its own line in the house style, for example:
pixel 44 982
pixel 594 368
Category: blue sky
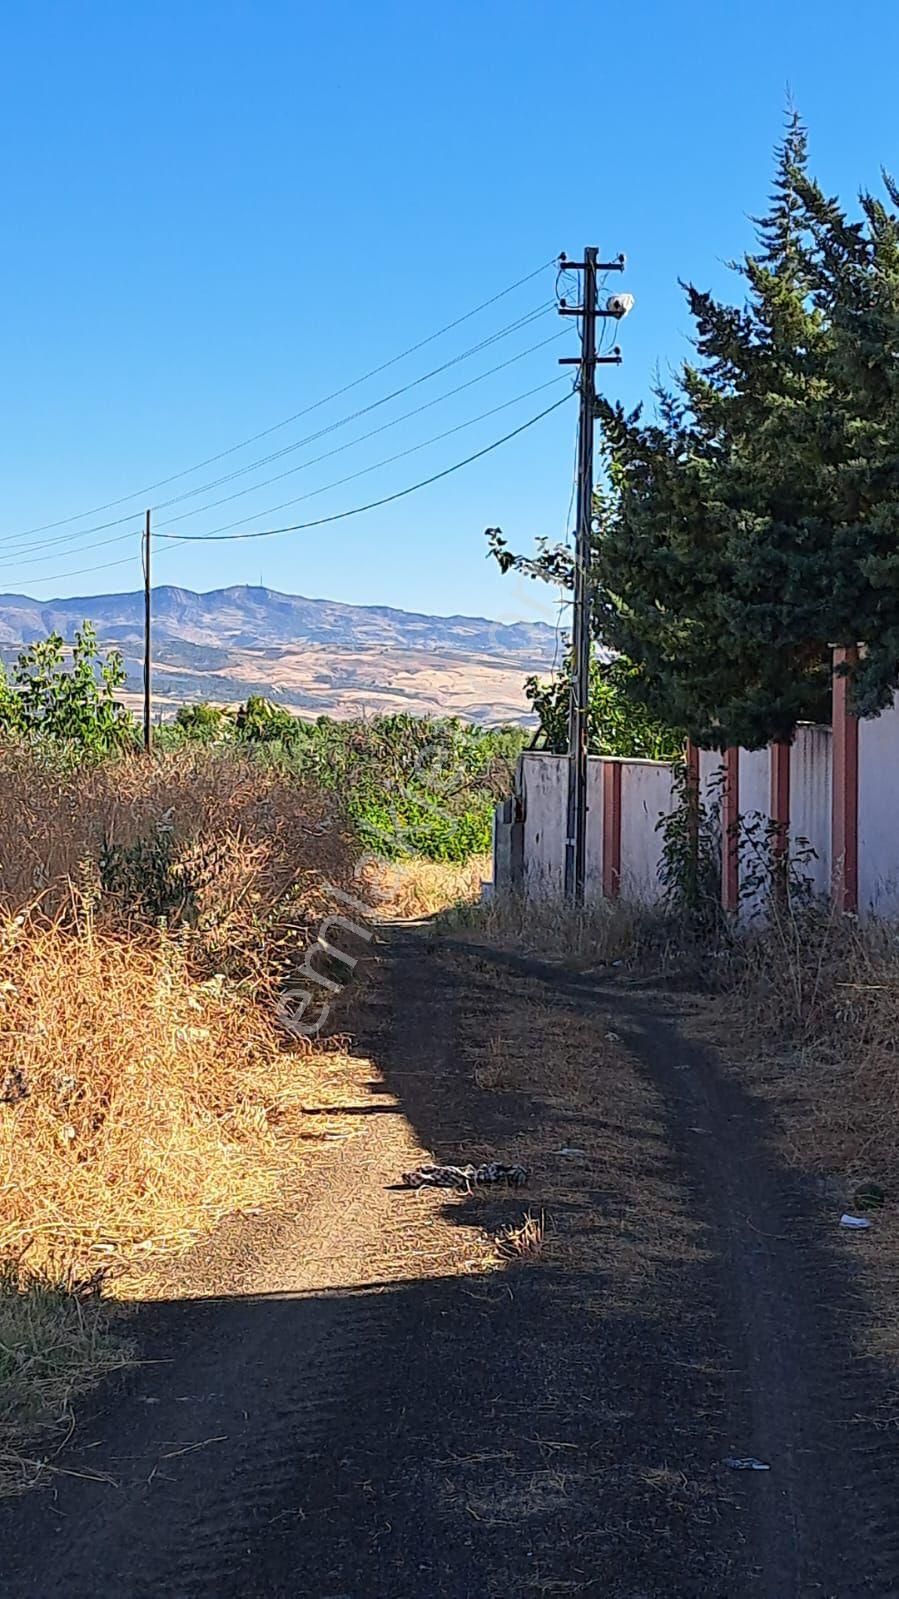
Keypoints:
pixel 217 213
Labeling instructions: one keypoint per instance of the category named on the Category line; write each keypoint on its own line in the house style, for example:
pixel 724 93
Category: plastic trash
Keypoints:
pixel 854 1221
pixel 614 1038
pixel 465 1177
pixel 745 1463
pixel 568 1149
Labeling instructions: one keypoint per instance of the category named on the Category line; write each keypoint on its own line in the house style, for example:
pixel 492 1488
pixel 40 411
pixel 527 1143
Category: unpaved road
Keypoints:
pixel 359 1410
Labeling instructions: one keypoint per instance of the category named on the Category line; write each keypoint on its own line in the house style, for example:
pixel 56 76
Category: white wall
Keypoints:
pixel 647 793
pixel 593 877
pixel 542 785
pixel 710 787
pixel 755 782
pixel 811 771
pixel 878 814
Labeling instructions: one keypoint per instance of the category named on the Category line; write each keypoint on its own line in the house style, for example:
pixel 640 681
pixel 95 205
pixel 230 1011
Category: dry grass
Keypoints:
pixel 416 888
pixel 140 1106
pixel 492 1070
pixel 236 855
pixel 583 1119
pixel 523 1242
pixel 599 932
pixel 56 1340
pixel 820 992
pixel 148 914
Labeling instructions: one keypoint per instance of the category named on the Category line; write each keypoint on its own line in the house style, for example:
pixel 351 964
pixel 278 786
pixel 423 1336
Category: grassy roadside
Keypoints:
pixel 811 1021
pixel 57 1340
pixel 416 887
pixel 149 915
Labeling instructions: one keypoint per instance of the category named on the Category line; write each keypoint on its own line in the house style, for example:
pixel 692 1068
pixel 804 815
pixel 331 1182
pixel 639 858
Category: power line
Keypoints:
pixel 388 460
pixel 286 421
pixel 68 539
pixel 373 432
pixel 332 427
pixel 81 571
pixel 175 539
pixel 388 499
pixel 375 405
pixel 56 555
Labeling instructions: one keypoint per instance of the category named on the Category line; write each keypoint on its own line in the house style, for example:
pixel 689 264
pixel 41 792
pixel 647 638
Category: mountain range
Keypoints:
pixel 313 656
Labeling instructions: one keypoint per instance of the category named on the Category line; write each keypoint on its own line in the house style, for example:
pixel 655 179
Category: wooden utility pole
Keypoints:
pixel 148 728
pixel 578 711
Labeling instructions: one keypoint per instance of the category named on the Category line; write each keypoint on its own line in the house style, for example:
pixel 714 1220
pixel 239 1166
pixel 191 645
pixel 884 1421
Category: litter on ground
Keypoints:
pixel 745 1463
pixel 465 1177
pixel 854 1221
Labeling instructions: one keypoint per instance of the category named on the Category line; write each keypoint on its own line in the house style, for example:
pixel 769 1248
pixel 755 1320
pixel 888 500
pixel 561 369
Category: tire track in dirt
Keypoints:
pixel 799 1395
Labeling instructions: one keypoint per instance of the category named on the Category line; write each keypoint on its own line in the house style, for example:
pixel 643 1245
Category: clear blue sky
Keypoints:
pixel 216 213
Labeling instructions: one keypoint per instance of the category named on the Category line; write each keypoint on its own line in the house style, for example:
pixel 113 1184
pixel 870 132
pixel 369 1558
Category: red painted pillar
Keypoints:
pixel 730 840
pixel 844 833
pixel 611 829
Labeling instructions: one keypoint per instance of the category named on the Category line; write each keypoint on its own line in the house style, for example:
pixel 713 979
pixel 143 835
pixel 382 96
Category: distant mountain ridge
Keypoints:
pixel 257 617
pixel 313 655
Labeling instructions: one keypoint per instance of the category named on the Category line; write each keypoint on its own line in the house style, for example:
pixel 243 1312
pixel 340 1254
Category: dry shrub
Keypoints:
pixel 138 1106
pixel 237 853
pixel 149 912
pixel 416 887
pixel 141 1069
pixel 821 991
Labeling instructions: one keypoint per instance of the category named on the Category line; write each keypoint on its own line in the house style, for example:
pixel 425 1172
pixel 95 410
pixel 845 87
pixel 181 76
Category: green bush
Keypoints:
pixel 46 698
pixel 204 723
pixel 411 785
pixel 618 722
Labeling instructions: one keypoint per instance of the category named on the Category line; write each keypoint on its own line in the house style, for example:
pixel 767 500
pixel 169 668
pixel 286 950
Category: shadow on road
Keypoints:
pixel 555 1428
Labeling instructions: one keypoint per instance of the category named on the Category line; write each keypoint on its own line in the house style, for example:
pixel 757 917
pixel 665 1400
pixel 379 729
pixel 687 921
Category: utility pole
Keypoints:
pixel 588 311
pixel 148 730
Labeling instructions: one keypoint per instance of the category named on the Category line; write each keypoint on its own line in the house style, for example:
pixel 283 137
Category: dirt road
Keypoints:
pixel 370 1403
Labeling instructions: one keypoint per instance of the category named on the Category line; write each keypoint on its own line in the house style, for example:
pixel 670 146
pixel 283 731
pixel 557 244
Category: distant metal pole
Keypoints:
pixel 148 728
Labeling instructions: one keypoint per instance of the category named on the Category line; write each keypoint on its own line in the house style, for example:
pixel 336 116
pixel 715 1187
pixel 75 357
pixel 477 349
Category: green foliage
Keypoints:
pixel 204 723
pixel 618 722
pixel 773 871
pixel 261 722
pixel 690 865
pixel 161 877
pixel 71 702
pixel 411 785
pixel 753 523
pixel 148 879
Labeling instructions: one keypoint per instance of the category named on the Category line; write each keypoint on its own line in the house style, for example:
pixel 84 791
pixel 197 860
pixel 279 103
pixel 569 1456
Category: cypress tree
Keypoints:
pixel 752 523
